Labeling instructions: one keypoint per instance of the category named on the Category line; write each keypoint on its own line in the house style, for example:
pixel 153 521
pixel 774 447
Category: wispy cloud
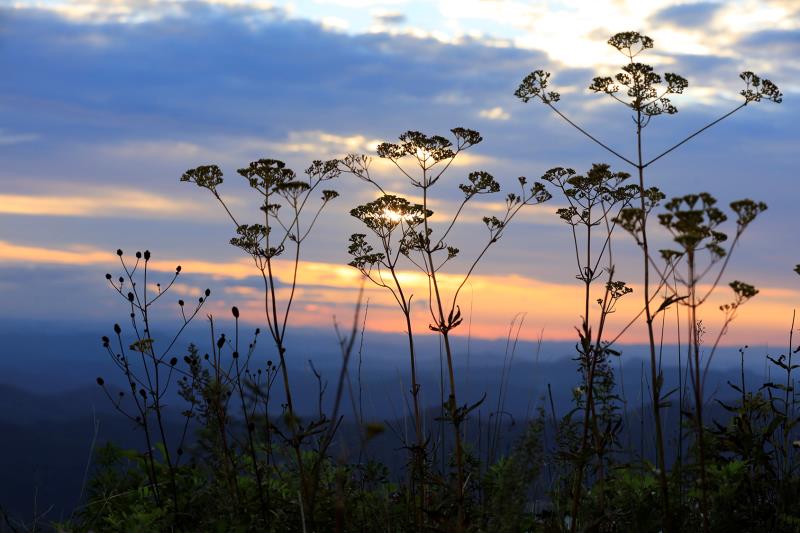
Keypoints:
pixel 108 202
pixel 138 11
pixel 323 143
pixel 692 15
pixel 306 145
pixel 495 113
pixel 8 138
pixel 388 17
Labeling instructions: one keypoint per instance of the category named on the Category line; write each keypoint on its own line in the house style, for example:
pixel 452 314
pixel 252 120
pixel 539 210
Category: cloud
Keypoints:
pixel 31 255
pixel 180 289
pixel 360 4
pixel 693 15
pixel 495 113
pixel 110 203
pixel 389 17
pixel 304 146
pixel 335 24
pixel 324 143
pixel 776 40
pixel 9 138
pixel 142 11
pixel 215 76
pixel 310 145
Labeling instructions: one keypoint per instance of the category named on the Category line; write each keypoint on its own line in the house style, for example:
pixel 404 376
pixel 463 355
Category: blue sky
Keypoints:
pixel 103 105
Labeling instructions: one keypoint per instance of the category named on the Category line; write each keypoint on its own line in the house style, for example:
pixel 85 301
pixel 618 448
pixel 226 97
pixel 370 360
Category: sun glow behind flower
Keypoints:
pixel 394 217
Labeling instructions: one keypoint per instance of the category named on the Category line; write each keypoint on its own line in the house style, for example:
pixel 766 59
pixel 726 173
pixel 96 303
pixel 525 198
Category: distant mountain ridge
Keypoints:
pixel 49 402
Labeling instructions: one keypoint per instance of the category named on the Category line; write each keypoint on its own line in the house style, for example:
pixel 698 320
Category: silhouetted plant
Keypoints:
pixel 694 222
pixel 430 157
pixel 647 94
pixel 278 188
pixel 393 220
pixel 594 202
pixel 149 367
pixel 233 469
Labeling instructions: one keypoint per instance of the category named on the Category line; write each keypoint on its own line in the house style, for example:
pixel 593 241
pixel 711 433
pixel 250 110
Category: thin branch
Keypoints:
pixel 590 136
pixel 695 134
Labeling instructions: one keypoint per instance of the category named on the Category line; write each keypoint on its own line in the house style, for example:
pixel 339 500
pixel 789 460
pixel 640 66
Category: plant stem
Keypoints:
pixel 655 373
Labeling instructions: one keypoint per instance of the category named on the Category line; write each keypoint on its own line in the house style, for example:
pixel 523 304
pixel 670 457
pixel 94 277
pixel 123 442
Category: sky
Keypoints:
pixel 104 104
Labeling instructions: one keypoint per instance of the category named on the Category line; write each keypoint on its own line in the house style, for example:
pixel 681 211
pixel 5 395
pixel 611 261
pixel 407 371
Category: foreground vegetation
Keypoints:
pixel 246 459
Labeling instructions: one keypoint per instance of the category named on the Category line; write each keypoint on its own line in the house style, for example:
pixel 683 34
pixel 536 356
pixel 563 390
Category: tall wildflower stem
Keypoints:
pixel 694 222
pixel 655 370
pixel 278 186
pixel 151 374
pixel 393 220
pixel 452 402
pixel 593 200
pixel 694 343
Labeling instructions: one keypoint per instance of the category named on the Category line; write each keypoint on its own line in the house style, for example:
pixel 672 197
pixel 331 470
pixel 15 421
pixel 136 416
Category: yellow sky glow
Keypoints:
pixel 119 203
pixel 327 289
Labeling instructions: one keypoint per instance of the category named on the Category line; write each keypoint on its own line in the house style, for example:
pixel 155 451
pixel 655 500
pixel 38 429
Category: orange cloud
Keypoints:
pixel 117 203
pixel 79 255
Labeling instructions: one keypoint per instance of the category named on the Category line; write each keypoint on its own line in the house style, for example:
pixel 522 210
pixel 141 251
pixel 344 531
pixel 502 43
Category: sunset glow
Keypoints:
pixel 399 265
pixel 490 301
pixel 114 182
